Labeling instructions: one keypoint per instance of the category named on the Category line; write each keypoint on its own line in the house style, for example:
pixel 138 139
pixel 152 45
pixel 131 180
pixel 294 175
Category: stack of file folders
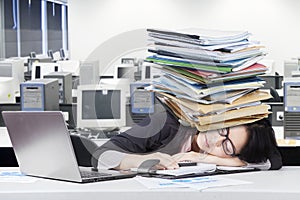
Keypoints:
pixel 210 77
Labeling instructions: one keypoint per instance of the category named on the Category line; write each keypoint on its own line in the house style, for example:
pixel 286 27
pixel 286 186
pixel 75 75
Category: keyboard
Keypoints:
pixel 90 174
pixel 96 134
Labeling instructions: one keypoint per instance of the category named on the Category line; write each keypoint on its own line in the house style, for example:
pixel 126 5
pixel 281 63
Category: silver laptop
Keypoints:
pixel 43 148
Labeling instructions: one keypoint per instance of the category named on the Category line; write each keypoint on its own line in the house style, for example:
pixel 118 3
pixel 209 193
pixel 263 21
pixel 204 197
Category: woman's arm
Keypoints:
pixel 134 161
pixel 206 158
pixel 231 161
pixel 123 161
pixel 275 159
pixel 144 138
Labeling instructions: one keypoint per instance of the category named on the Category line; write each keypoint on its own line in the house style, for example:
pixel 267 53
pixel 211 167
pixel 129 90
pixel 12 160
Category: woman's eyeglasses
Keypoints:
pixel 227 144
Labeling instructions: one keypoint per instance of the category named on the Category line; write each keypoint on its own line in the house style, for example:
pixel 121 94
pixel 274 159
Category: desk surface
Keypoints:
pixel 281 184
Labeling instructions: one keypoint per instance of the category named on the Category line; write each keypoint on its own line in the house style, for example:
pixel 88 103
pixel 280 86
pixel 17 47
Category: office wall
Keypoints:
pixel 109 29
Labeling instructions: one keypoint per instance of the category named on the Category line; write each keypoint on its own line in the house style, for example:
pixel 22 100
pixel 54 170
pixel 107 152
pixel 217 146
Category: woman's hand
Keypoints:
pixel 207 158
pixel 134 161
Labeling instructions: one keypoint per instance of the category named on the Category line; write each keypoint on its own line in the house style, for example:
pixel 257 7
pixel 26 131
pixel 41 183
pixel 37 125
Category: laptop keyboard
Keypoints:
pixel 91 174
pixel 96 134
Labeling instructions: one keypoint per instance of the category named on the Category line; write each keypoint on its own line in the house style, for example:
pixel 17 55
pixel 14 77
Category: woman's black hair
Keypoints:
pixel 261 142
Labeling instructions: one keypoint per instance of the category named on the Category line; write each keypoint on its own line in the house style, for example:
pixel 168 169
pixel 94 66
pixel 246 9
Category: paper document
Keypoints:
pixel 230 123
pixel 199 168
pixel 16 177
pixel 199 54
pixel 229 168
pixel 200 35
pixel 257 95
pixel 198 183
pixel 234 114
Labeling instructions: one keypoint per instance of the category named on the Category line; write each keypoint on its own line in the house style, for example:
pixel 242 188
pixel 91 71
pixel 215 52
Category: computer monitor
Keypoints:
pixel 40 59
pixel 69 66
pixel 56 56
pixel 62 54
pixel 128 61
pixel 149 72
pixel 277 116
pixel 69 110
pixel 13 68
pixel 7 92
pixel 50 54
pixel 32 54
pixel 8 107
pixel 290 66
pixel 123 82
pixel 88 72
pixel 125 71
pixel 141 100
pixel 272 81
pixel 40 69
pixel 101 106
pixel 291 95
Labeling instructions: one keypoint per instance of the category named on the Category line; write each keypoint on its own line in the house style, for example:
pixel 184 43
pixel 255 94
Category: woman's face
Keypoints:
pixel 223 142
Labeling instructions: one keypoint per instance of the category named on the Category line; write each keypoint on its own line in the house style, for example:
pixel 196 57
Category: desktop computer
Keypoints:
pixel 89 72
pixel 125 71
pixel 277 113
pixel 291 108
pixel 39 95
pixel 62 54
pixel 141 100
pixel 50 54
pixel 39 70
pixel 101 106
pixel 291 67
pixel 124 83
pixel 7 92
pixel 274 81
pixel 30 61
pixel 69 66
pixel 15 69
pixel 70 114
pixel 65 85
pixel 149 71
pixel 8 107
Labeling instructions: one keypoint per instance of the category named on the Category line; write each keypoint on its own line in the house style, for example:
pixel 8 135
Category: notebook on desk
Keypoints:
pixel 189 174
pixel 43 148
pixel 147 169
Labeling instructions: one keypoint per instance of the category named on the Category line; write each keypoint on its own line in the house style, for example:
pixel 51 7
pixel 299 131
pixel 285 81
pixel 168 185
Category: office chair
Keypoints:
pixel 83 148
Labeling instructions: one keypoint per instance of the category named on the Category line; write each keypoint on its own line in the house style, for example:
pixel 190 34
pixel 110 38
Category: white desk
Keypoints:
pixel 273 185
